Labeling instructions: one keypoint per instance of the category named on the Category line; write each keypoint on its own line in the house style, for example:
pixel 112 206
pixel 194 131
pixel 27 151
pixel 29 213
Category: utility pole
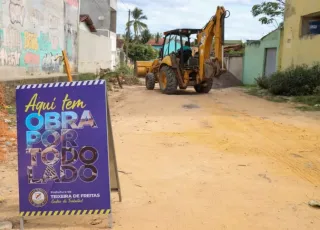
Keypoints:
pixel 128 36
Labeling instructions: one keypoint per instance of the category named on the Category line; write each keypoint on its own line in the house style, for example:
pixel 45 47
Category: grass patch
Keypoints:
pixel 277 99
pixel 308 100
pixel 308 108
pixel 248 86
pixel 311 103
pixel 11 110
pixel 308 103
pixel 86 76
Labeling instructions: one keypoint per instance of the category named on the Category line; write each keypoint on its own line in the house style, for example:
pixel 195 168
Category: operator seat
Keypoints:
pixel 186 55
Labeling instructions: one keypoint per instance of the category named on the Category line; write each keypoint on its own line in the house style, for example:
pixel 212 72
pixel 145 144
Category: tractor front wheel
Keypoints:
pixel 150 81
pixel 205 87
pixel 168 80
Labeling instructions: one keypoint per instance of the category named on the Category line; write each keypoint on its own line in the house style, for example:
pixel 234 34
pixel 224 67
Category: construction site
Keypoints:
pixel 204 133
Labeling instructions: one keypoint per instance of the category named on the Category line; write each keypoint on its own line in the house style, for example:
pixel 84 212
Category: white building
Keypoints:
pixel 97 36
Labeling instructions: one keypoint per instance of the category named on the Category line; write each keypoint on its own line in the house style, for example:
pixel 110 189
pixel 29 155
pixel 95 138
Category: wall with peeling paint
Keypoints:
pixel 297 49
pixel 33 34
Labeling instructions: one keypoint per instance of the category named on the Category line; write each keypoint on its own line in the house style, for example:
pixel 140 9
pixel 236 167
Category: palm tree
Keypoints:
pixel 136 22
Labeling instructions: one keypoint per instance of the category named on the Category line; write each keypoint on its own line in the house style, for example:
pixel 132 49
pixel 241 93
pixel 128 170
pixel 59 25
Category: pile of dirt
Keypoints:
pixel 226 80
pixel 131 80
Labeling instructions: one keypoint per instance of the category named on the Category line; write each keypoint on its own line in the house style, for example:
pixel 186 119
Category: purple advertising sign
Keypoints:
pixel 63 149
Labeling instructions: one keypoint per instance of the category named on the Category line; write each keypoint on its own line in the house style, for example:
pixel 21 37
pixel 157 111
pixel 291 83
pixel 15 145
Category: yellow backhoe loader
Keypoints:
pixel 177 66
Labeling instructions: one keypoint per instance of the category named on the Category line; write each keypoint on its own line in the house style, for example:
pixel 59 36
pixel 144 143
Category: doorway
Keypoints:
pixel 270 61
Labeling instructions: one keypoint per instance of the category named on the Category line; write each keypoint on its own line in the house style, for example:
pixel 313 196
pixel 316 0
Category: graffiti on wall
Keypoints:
pixel 1 13
pixel 33 33
pixel 51 62
pixel 51 4
pixel 50 52
pixel 1 37
pixel 71 33
pixel 74 3
pixel 9 58
pixel 54 22
pixel 36 18
pixel 31 41
pixel 17 12
pixel 12 38
pixel 49 41
pixel 71 40
pixel 32 59
pixel 9 55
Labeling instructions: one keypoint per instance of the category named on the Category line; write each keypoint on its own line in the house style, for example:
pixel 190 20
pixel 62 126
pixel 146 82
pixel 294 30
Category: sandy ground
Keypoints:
pixel 225 160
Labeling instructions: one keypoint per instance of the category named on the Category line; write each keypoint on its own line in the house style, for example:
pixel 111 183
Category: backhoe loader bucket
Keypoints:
pixel 142 68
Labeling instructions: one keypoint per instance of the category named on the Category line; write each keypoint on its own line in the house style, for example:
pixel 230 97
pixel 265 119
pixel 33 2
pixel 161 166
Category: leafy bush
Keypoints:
pixel 124 69
pixel 295 81
pixel 263 82
pixel 140 52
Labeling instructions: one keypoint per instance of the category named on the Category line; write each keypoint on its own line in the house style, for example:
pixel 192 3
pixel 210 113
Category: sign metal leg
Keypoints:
pixel 110 220
pixel 21 223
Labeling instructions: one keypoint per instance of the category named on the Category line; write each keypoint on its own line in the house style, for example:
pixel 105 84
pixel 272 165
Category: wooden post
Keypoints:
pixel 67 65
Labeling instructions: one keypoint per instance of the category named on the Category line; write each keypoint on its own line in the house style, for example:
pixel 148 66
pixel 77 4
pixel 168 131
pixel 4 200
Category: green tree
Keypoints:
pixel 127 34
pixel 145 36
pixel 157 37
pixel 136 22
pixel 268 11
pixel 141 52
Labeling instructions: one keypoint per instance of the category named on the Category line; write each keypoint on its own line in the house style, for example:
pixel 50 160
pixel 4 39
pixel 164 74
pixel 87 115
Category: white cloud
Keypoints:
pixel 165 15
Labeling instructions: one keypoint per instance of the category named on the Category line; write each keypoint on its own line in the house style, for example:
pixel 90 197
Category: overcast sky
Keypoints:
pixel 170 14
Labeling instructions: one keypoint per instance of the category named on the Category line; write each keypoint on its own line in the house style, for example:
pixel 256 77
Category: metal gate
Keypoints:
pixel 270 61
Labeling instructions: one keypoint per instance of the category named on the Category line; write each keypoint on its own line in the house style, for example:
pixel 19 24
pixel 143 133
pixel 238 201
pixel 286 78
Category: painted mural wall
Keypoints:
pixel 33 34
pixel 71 16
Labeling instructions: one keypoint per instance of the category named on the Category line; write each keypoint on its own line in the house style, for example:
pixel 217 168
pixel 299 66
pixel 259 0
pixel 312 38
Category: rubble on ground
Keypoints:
pixel 226 80
pixel 7 134
pixel 5 225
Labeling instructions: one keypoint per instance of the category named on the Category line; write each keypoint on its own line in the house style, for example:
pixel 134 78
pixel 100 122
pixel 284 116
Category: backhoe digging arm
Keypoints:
pixel 213 29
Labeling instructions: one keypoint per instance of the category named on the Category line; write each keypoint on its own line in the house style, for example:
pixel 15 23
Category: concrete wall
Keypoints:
pixel 83 26
pixel 113 40
pixel 32 35
pixel 71 21
pixel 96 51
pixel 113 4
pixel 254 57
pixel 299 49
pixel 235 66
pixel 100 9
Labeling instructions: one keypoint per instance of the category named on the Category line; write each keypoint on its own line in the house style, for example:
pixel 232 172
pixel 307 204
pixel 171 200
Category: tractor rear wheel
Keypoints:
pixel 204 88
pixel 168 80
pixel 150 81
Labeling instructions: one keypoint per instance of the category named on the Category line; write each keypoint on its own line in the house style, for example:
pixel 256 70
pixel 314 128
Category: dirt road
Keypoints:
pixel 225 160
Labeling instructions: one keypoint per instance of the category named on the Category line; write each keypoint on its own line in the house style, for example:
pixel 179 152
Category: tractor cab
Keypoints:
pixel 177 66
pixel 177 42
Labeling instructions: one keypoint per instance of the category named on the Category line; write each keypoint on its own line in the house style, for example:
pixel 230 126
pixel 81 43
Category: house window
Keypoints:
pixel 310 24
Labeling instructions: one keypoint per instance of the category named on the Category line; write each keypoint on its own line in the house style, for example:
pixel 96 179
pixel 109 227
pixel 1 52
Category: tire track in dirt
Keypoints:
pixel 230 131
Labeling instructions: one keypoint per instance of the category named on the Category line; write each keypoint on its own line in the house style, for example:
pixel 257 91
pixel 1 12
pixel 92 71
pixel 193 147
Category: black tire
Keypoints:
pixel 171 80
pixel 150 81
pixel 204 88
